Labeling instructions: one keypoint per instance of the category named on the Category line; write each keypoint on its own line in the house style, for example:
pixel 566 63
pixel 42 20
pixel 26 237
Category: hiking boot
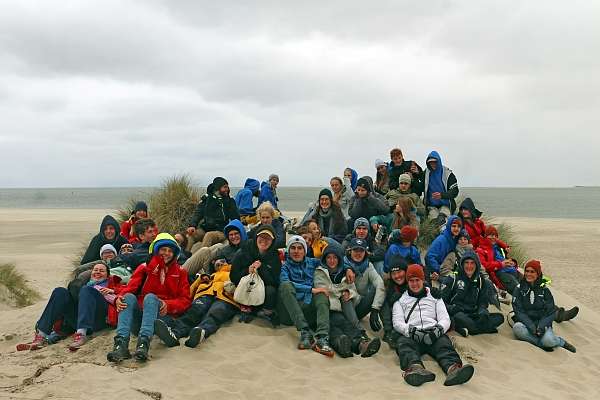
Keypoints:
pixel 416 375
pixel 570 347
pixel 464 332
pixel 165 333
pixel 565 315
pixel 269 315
pixel 306 339
pixel 343 346
pixel 79 339
pixel 388 337
pixel 120 350
pixel 369 347
pixel 197 336
pixel 322 346
pixel 142 348
pixel 459 374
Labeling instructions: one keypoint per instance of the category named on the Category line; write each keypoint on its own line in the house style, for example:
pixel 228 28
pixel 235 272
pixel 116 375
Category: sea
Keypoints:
pixel 573 202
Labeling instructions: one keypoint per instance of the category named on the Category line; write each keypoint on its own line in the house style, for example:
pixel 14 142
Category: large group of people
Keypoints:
pixel 354 254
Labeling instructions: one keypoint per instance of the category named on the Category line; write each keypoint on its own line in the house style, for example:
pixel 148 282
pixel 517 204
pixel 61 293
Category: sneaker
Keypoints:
pixel 322 346
pixel 165 333
pixel 306 339
pixel 120 350
pixel 369 347
pixel 343 346
pixel 464 332
pixel 416 375
pixel 38 342
pixel 570 347
pixel 197 336
pixel 79 339
pixel 459 374
pixel 142 348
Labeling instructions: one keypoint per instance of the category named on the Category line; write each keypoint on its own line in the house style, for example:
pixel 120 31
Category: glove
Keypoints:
pixel 374 320
pixel 416 334
pixel 432 335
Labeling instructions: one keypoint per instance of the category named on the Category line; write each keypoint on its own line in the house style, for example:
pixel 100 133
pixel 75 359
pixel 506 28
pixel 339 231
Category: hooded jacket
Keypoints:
pixel 353 179
pixel 267 194
pixel 244 198
pixel 441 180
pixel 279 233
pixel 334 281
pixel 371 205
pixel 410 254
pixel 474 226
pixel 366 276
pixel 394 172
pixel 441 247
pixel 464 294
pixel 227 251
pixel 301 275
pixel 428 313
pixel 248 253
pixel 91 254
pixel 214 211
pixel 534 304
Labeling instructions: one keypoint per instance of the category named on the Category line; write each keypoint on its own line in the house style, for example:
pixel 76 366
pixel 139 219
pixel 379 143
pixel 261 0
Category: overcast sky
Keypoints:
pixel 125 93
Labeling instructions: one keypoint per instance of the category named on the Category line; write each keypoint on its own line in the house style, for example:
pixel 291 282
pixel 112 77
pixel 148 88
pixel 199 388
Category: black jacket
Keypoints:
pixel 269 270
pixel 279 233
pixel 464 294
pixel 375 251
pixel 214 212
pixel 93 251
pixel 394 172
pixel 533 305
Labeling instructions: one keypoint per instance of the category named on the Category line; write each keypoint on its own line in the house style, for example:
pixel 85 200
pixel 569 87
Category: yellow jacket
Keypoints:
pixel 318 246
pixel 215 287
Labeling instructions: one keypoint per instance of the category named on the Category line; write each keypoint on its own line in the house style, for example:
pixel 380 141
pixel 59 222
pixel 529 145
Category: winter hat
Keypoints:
pixel 219 182
pixel 536 265
pixel 140 206
pixel 491 230
pixel 164 240
pixel 357 243
pixel 326 192
pixel 465 234
pixel 409 233
pixel 405 178
pixel 362 221
pixel 265 230
pixel 379 162
pixel 397 263
pixel 296 239
pixel 274 176
pixel 363 183
pixel 415 271
pixel 108 247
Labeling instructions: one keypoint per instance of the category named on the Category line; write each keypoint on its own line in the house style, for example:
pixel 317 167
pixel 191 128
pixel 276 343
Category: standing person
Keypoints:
pixel 382 178
pixel 244 201
pixel 329 217
pixel 268 191
pixel 465 294
pixel 534 309
pixel 442 247
pixel 214 211
pixel 299 301
pixel 422 322
pixel 342 194
pixel 265 214
pixel 127 231
pixel 472 222
pixel 109 234
pixel 259 256
pixel 440 188
pixel 398 166
pixel 156 289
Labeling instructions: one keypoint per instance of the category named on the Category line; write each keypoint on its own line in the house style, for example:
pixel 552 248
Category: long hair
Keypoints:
pixel 405 217
pixel 381 179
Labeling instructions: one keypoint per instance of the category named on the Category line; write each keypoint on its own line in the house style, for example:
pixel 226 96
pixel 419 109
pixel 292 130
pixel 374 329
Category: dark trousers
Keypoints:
pixel 364 306
pixel 441 350
pixel 207 312
pixel 270 298
pixel 510 280
pixel 477 324
pixel 89 313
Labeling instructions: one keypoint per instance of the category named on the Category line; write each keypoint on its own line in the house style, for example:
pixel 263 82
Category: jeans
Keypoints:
pixel 135 319
pixel 548 339
pixel 300 313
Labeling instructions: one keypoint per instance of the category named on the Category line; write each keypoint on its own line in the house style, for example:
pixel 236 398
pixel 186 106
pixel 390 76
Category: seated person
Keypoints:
pixel 308 238
pixel 440 189
pixel 503 271
pixel 156 289
pixel 421 322
pixel 402 243
pixel 146 231
pixel 319 243
pixel 107 253
pixel 534 309
pixel 109 234
pixel 375 251
pixel 92 311
pixel 265 213
pixel 382 178
pixel 268 191
pixel 244 201
pixel 404 191
pixel 466 297
pixel 139 211
pixel 399 166
pixel 365 204
pixel 472 222
pixel 442 247
pixel 342 194
pixel 329 217
pixel 351 176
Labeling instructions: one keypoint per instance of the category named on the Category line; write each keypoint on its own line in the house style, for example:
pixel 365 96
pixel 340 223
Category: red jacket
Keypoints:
pixel 114 283
pixel 485 251
pixel 175 291
pixel 126 229
pixel 475 231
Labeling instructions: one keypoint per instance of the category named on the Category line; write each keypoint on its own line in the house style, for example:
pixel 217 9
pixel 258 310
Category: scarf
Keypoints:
pixel 360 267
pixel 103 282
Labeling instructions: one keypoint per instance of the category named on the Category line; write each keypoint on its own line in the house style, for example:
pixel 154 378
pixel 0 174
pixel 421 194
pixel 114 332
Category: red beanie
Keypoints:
pixel 415 271
pixel 536 265
pixel 491 230
pixel 408 233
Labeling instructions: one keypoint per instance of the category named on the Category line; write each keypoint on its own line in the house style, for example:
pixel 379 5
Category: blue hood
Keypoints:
pixel 448 232
pixel 236 224
pixel 252 184
pixel 354 179
pixel 436 155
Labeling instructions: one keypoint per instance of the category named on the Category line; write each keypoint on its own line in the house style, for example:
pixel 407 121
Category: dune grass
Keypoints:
pixel 15 289
pixel 172 205
pixel 125 212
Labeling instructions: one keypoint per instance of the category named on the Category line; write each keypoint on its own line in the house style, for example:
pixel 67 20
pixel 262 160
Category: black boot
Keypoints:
pixel 120 350
pixel 343 345
pixel 165 333
pixel 141 350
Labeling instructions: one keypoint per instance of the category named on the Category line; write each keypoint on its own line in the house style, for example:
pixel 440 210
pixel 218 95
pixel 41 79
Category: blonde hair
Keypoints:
pixel 265 207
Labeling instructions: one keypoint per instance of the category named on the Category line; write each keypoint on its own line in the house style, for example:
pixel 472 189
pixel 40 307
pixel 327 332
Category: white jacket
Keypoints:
pixel 427 314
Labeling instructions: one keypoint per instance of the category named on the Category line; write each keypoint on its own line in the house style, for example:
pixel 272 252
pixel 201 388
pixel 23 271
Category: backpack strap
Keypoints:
pixel 411 311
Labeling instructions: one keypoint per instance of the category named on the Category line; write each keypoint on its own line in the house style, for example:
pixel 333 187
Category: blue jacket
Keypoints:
pixel 235 223
pixel 441 247
pixel 266 194
pixel 301 276
pixel 244 198
pixel 410 254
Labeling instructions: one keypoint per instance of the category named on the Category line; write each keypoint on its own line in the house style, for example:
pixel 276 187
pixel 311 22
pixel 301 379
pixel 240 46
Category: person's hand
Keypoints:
pixel 433 334
pixel 436 195
pixel 346 295
pixel 106 290
pixel 435 276
pixel 414 169
pixel 254 266
pixel 375 227
pixel 320 290
pixel 121 305
pixel 417 335
pixel 507 263
pixel 350 276
pixel 190 230
pixel 374 320
pixel 162 311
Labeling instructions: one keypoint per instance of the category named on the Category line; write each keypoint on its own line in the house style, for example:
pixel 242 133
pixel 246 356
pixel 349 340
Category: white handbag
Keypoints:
pixel 250 291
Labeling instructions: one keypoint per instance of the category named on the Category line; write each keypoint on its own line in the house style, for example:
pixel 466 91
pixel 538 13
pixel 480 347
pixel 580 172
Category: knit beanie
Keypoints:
pixel 363 183
pixel 536 265
pixel 297 239
pixel 415 271
pixel 405 178
pixel 397 263
pixel 219 182
pixel 379 162
pixel 362 221
pixel 108 247
pixel 140 206
pixel 409 233
pixel 326 192
pixel 465 234
pixel 491 230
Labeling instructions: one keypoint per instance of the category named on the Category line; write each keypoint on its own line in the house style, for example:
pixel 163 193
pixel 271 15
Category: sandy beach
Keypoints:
pixel 253 361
